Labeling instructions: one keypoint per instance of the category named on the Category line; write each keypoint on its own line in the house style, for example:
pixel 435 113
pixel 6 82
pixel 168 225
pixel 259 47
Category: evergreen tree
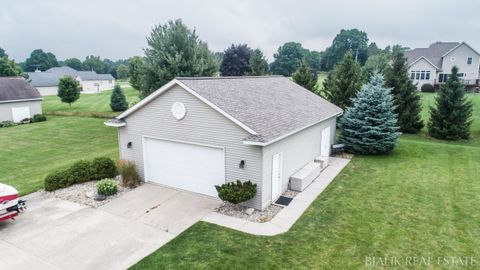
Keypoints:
pixel 370 126
pixel 236 60
pixel 118 102
pixel 450 118
pixel 258 63
pixel 305 77
pixel 68 90
pixel 136 67
pixel 174 51
pixel 406 96
pixel 345 82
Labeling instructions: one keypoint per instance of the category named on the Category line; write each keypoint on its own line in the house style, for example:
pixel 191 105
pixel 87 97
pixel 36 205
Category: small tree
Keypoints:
pixel 122 71
pixel 258 63
pixel 345 82
pixel 305 77
pixel 370 126
pixel 9 67
pixel 118 102
pixel 236 60
pixel 450 118
pixel 405 93
pixel 68 90
pixel 136 67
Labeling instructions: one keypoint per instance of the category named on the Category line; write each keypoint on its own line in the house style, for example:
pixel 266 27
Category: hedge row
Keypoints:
pixel 80 172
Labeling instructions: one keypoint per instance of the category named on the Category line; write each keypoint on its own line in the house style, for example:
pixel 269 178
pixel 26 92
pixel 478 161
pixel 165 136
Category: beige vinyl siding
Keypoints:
pixel 297 150
pixel 48 90
pixel 96 85
pixel 6 108
pixel 202 125
pixel 458 57
pixel 423 65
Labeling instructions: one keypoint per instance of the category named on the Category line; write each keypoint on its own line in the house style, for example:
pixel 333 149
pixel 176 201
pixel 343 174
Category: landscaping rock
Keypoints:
pixel 249 211
pixel 99 197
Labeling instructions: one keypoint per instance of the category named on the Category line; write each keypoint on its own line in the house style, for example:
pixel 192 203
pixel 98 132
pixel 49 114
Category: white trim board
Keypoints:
pixel 166 87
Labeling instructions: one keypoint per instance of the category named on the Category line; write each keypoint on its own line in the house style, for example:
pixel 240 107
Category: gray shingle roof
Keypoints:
pixel 16 88
pixel 272 106
pixel 43 79
pixel 433 53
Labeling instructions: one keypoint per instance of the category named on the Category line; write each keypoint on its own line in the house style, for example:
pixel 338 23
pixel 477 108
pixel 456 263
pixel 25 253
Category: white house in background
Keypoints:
pixel 433 64
pixel 91 82
pixel 18 99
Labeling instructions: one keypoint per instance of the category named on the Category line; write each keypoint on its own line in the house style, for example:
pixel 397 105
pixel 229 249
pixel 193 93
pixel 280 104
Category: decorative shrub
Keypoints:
pixel 26 121
pixel 39 118
pixel 107 187
pixel 129 173
pixel 427 88
pixel 82 171
pixel 104 167
pixel 58 179
pixel 236 192
pixel 7 124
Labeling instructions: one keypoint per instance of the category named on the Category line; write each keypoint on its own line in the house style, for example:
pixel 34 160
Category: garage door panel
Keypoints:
pixel 191 167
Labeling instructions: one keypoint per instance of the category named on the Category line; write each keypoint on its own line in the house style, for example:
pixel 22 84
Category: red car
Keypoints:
pixel 10 204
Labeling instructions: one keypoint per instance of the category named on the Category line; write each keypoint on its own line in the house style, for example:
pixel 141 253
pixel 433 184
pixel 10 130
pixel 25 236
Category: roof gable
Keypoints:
pixel 433 53
pixel 267 107
pixel 458 46
pixel 17 89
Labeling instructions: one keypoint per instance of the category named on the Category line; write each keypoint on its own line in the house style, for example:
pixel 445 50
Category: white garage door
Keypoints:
pixel 20 113
pixel 191 167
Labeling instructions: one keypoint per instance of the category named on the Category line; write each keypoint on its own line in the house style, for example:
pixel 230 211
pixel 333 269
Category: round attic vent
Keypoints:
pixel 178 110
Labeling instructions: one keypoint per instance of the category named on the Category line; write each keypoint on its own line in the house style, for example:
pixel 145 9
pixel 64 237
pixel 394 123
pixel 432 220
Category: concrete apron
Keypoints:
pixel 58 234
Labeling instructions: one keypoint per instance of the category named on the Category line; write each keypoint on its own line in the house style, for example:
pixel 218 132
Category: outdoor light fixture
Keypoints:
pixel 242 164
pixel 129 145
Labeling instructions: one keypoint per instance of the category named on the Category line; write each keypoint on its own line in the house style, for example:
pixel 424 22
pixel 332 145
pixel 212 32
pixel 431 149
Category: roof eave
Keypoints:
pixel 290 133
pixel 116 125
pixel 21 100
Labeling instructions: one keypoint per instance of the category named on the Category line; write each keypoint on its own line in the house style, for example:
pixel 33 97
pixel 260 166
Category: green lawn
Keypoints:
pixel 97 105
pixel 29 152
pixel 421 200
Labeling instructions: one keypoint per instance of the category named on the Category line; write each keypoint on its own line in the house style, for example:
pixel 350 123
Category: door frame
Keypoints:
pixel 278 178
pixel 329 129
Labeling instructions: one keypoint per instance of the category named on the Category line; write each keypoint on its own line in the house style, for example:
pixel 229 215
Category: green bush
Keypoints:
pixel 7 124
pixel 129 173
pixel 82 171
pixel 58 179
pixel 427 88
pixel 237 192
pixel 107 187
pixel 39 118
pixel 104 167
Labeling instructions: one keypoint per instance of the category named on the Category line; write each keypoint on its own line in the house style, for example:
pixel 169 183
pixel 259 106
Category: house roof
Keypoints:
pixel 432 54
pixel 268 107
pixel 17 89
pixel 52 76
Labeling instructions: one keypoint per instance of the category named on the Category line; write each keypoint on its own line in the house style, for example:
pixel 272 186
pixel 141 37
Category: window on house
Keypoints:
pixel 417 75
pixel 443 78
pixel 412 75
pixel 427 75
pixel 422 75
pixel 469 60
pixel 460 75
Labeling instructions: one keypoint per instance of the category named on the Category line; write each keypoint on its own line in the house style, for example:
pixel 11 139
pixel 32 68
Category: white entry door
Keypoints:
pixel 20 113
pixel 276 176
pixel 325 146
pixel 192 167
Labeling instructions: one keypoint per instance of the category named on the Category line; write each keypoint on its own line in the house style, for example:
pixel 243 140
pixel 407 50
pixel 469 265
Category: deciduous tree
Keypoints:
pixel 74 63
pixel 136 67
pixel 288 58
pixel 68 90
pixel 40 60
pixel 236 60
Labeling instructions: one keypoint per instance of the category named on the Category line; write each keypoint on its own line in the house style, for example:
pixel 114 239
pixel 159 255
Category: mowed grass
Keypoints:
pixel 421 200
pixel 29 152
pixel 96 105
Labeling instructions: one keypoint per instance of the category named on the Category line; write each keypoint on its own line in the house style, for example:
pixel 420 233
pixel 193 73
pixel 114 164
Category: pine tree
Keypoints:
pixel 450 118
pixel 370 126
pixel 406 96
pixel 118 102
pixel 305 77
pixel 258 63
pixel 345 82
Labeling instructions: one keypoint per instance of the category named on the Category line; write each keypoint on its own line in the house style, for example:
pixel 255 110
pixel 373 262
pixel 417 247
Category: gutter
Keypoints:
pixel 21 100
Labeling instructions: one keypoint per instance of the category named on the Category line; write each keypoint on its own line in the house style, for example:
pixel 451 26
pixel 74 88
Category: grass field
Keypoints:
pixel 96 105
pixel 29 152
pixel 421 200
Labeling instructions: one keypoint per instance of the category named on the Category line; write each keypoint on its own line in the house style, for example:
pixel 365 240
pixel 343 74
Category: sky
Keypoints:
pixel 116 29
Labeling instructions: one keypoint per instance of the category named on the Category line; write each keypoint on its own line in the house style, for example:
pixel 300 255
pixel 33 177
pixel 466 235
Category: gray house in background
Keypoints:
pixel 195 133
pixel 18 100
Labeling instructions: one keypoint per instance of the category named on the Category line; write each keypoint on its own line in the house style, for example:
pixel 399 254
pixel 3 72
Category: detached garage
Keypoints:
pixel 18 100
pixel 195 133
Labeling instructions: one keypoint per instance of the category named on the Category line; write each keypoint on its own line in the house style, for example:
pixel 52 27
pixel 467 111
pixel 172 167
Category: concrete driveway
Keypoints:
pixel 57 234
